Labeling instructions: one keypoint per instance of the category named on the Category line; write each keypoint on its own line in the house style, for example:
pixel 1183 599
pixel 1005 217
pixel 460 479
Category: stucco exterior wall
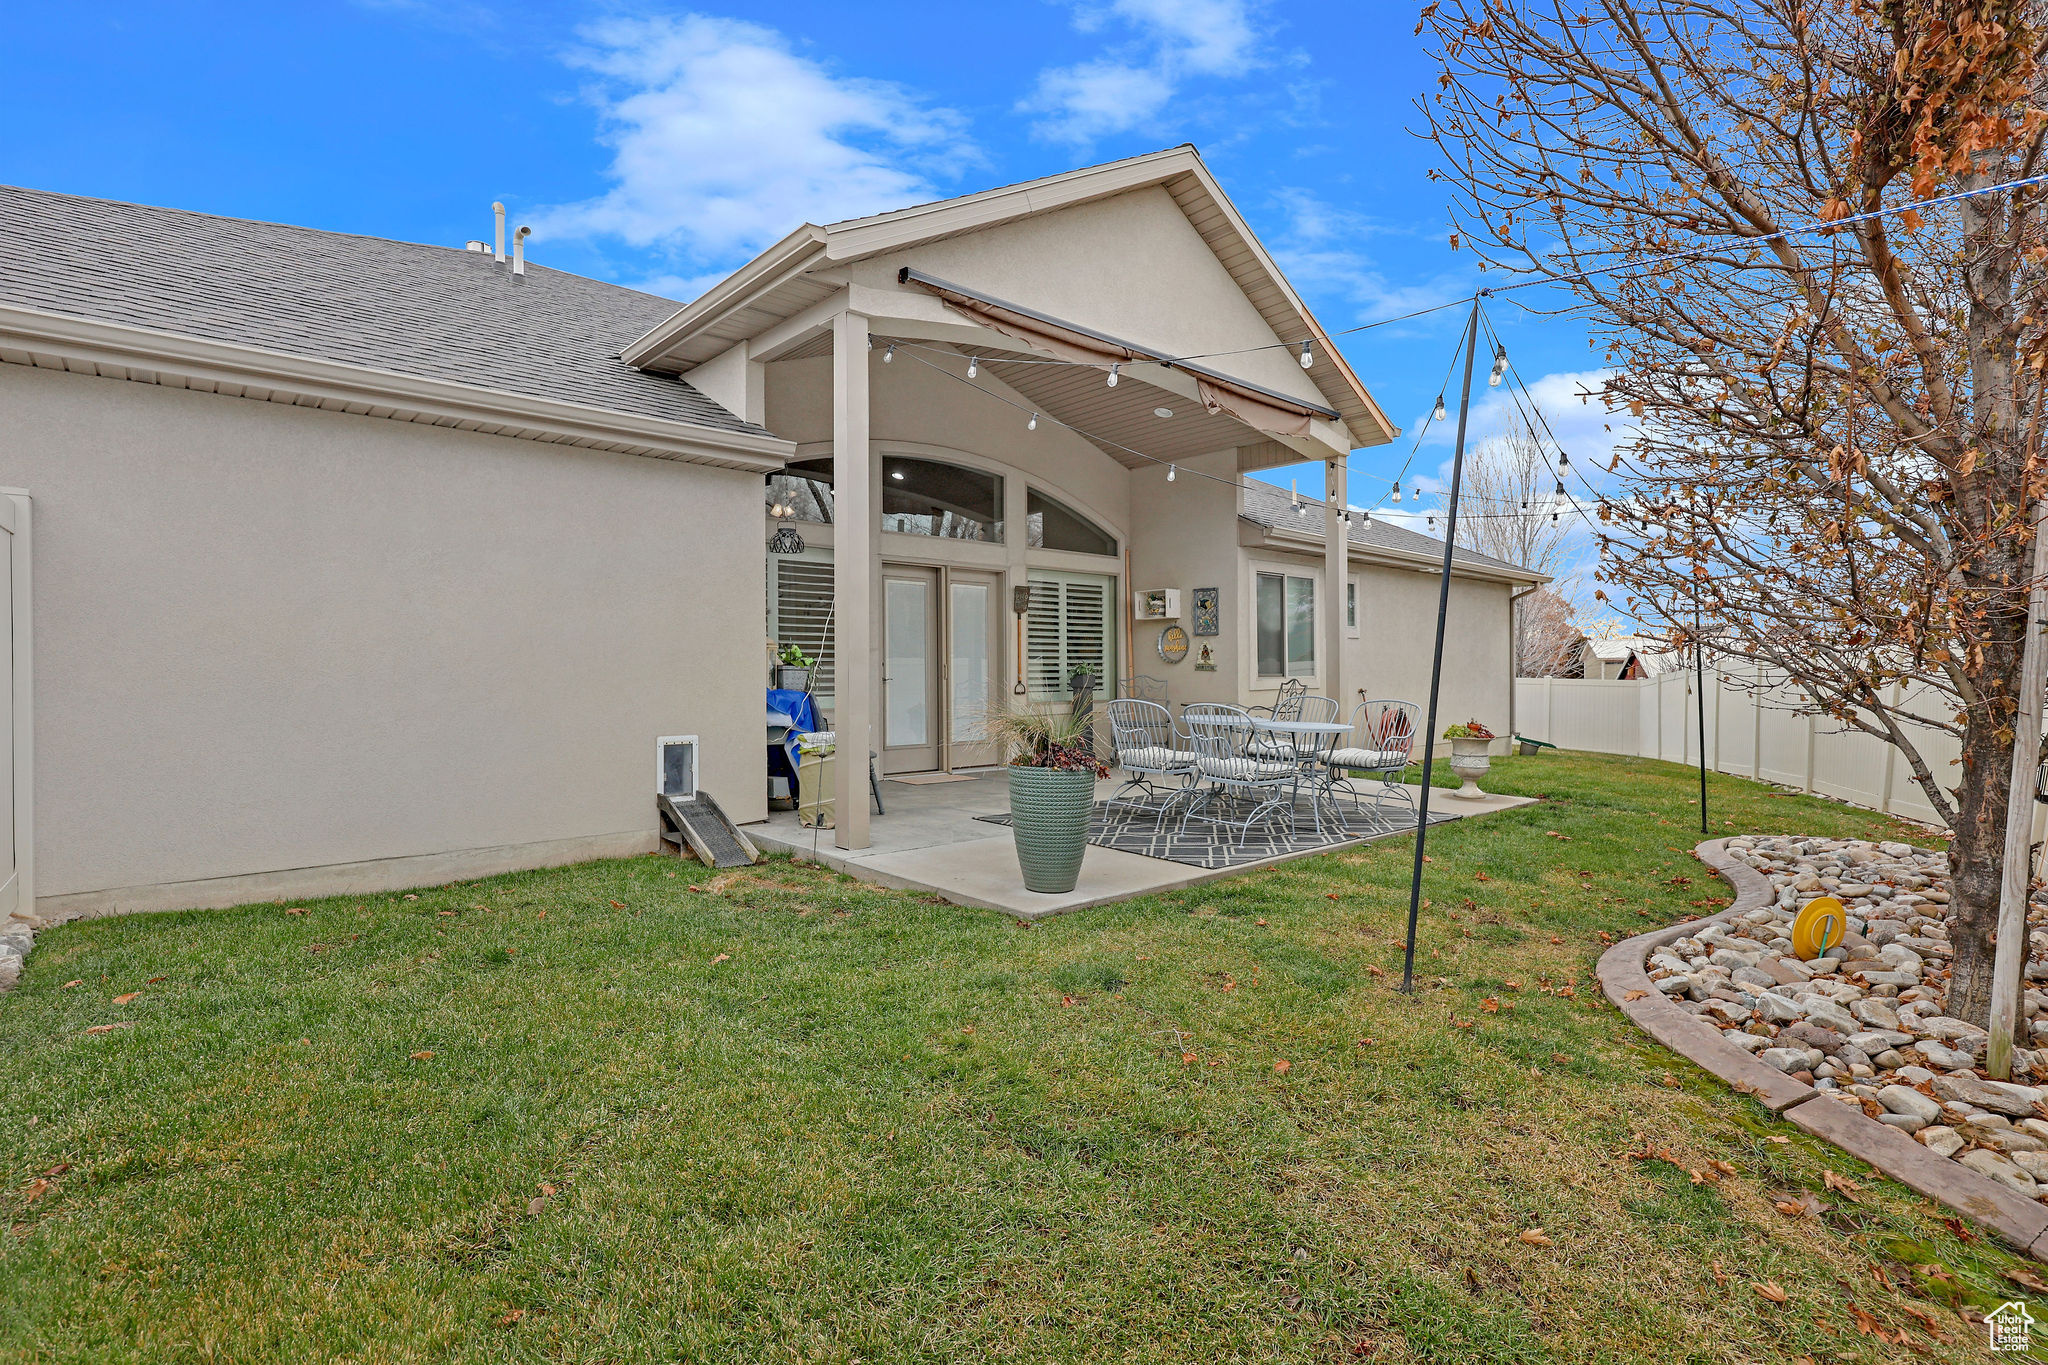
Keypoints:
pixel 1185 536
pixel 1397 624
pixel 275 640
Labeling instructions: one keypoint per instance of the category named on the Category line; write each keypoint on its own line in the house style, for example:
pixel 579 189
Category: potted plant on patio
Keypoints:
pixel 1471 745
pixel 1052 794
pixel 793 669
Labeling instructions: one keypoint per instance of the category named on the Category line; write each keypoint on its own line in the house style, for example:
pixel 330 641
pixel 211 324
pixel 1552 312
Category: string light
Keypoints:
pixel 973 365
pixel 1112 376
pixel 1564 461
pixel 889 356
pixel 1307 356
pixel 1439 414
pixel 1171 471
pixel 1032 425
pixel 1500 368
pixel 1397 492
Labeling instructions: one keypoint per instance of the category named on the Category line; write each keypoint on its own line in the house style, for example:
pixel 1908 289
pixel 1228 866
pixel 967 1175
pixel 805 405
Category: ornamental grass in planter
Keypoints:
pixel 1052 793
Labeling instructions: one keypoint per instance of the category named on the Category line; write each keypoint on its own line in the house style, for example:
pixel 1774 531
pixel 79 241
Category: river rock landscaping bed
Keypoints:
pixel 1864 1025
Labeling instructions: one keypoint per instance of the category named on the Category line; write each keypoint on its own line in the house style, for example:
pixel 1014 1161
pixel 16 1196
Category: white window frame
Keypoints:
pixel 1292 667
pixel 1354 605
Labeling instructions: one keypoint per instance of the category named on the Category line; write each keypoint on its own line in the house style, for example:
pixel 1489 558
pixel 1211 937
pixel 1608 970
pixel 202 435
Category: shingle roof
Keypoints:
pixel 428 311
pixel 1273 508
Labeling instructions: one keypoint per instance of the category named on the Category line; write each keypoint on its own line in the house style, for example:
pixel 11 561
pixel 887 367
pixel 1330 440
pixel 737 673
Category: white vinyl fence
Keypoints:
pixel 1754 729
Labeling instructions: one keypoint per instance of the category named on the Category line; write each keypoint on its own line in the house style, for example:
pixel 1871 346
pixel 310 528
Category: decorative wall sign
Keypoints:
pixel 1173 644
pixel 1205 662
pixel 1205 611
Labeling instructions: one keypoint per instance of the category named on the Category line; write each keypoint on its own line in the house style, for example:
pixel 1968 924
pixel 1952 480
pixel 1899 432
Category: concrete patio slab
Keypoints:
pixel 932 840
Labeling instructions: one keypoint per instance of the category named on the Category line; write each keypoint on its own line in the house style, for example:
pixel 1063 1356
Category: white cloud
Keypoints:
pixel 1167 43
pixel 725 139
pixel 1317 247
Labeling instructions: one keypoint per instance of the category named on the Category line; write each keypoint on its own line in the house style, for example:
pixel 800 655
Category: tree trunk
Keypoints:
pixel 1976 868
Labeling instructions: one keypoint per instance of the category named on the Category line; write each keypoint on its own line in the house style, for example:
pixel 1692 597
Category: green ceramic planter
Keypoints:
pixel 1049 813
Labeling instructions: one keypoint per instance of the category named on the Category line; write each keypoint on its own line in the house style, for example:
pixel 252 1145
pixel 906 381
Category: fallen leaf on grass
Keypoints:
pixel 109 1028
pixel 69 984
pixel 2028 1278
pixel 1720 1276
pixel 1927 1320
pixel 618 905
pixel 1481 877
pixel 58 1169
pixel 37 1188
pixel 124 999
pixel 1066 1001
pixel 1798 1206
pixel 1187 1059
pixel 445 914
pixel 1771 1291
pixel 722 957
pixel 1490 1005
pixel 535 1205
pixel 1840 1184
pixel 422 1056
pixel 512 1317
pixel 1555 939
pixel 1374 971
pixel 298 910
pixel 1535 1237
pixel 1559 1058
pixel 1262 924
pixel 1283 1066
pixel 1670 1082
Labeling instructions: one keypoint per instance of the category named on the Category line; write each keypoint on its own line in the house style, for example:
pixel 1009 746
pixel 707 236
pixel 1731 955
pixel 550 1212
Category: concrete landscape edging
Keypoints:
pixel 2015 1219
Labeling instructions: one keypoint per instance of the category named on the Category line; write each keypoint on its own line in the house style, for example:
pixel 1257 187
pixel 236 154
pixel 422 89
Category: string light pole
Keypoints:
pixel 1436 661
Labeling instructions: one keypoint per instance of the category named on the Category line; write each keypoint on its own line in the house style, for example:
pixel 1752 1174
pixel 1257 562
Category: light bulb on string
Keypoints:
pixel 1307 356
pixel 1032 425
pixel 889 355
pixel 1397 492
pixel 1439 414
pixel 1564 460
pixel 1112 376
pixel 973 364
pixel 1171 471
pixel 1500 368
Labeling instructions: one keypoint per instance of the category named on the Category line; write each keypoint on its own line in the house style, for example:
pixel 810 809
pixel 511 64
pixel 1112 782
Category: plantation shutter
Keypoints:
pixel 800 613
pixel 1069 626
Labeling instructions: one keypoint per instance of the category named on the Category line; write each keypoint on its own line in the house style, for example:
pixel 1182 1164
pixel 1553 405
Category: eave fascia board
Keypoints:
pixel 1307 542
pixel 96 342
pixel 772 267
pixel 858 237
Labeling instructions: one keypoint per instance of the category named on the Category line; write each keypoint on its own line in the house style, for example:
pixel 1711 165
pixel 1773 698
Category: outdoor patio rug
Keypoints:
pixel 927 779
pixel 1211 846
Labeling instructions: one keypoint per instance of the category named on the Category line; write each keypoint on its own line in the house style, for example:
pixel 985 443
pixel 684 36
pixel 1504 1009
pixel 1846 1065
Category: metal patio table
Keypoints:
pixel 1325 732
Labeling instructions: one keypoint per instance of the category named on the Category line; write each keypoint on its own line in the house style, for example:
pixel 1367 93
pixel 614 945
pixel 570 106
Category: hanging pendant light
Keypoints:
pixel 1112 376
pixel 1171 471
pixel 1564 460
pixel 1397 492
pixel 1500 368
pixel 889 355
pixel 1307 357
pixel 1032 425
pixel 1439 414
pixel 973 364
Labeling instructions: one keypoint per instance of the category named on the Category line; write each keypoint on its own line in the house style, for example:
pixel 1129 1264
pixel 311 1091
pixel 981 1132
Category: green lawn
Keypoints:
pixel 622 1112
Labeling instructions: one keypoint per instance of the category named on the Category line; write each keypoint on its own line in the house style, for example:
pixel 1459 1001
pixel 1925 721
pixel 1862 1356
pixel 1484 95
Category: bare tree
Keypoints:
pixel 1510 509
pixel 1837 465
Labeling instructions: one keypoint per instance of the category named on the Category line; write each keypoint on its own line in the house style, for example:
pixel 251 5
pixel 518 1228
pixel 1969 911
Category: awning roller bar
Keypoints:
pixel 943 288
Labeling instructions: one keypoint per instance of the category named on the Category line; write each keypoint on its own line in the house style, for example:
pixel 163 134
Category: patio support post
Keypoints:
pixel 855 544
pixel 1336 572
pixel 1436 666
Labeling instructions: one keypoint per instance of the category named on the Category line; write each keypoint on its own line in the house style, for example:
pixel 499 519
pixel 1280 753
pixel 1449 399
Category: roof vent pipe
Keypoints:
pixel 498 210
pixel 519 251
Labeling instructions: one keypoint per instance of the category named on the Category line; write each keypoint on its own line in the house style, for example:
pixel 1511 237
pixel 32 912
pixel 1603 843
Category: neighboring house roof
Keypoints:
pixel 777 284
pixel 436 313
pixel 1272 507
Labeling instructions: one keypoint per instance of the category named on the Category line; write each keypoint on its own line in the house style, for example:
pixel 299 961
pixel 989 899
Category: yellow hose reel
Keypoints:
pixel 1818 927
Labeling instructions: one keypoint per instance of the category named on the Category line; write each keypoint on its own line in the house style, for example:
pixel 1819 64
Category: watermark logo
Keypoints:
pixel 2011 1326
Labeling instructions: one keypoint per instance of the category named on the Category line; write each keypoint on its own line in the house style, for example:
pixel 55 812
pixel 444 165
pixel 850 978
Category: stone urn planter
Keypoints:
pixel 1049 813
pixel 1470 761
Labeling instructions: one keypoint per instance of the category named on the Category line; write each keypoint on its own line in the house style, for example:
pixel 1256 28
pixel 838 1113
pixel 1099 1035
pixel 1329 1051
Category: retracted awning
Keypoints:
pixel 1256 406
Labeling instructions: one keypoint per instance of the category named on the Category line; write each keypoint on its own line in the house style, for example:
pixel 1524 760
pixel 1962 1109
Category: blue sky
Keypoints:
pixel 662 145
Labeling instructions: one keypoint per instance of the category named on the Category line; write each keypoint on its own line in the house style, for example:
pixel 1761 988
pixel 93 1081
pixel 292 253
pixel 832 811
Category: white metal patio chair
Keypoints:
pixel 1150 752
pixel 1382 739
pixel 1228 772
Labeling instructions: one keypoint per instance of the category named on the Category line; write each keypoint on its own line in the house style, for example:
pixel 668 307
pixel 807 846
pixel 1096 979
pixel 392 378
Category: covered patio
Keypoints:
pixel 945 836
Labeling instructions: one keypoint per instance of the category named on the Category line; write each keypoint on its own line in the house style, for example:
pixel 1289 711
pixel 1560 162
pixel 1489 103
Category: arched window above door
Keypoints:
pixel 1056 526
pixel 919 497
